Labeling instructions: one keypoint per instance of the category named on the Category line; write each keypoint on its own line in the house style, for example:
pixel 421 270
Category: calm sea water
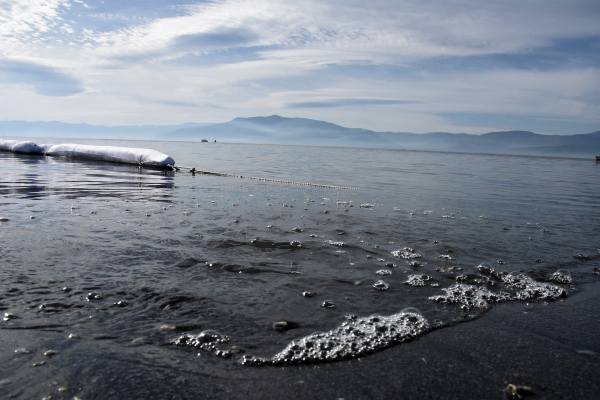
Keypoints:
pixel 241 267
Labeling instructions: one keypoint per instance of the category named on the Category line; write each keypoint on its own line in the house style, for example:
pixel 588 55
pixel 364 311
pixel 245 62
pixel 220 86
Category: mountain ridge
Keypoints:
pixel 276 129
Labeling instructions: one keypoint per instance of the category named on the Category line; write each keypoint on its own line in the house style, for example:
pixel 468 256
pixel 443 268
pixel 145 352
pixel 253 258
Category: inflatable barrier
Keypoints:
pixel 128 155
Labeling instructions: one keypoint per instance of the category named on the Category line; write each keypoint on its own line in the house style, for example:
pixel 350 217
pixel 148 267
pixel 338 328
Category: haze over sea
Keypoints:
pixel 362 245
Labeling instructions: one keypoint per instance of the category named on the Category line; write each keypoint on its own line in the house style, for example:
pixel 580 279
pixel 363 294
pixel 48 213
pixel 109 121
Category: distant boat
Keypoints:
pixel 204 140
pixel 597 158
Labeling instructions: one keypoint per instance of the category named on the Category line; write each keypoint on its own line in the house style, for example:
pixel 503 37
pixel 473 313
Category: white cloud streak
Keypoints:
pixel 25 21
pixel 385 32
pixel 308 44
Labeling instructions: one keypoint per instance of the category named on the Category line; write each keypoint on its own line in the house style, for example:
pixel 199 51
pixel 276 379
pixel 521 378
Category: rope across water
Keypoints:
pixel 220 174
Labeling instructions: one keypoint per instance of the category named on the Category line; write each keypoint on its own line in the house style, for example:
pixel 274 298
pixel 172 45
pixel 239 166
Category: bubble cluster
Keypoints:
pixel 406 253
pixel 206 340
pixel 540 291
pixel 353 338
pixel 519 286
pixel 417 280
pixel 470 296
pixel 561 276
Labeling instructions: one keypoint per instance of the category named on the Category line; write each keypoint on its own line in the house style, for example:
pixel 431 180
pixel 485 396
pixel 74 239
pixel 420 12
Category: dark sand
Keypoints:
pixel 553 348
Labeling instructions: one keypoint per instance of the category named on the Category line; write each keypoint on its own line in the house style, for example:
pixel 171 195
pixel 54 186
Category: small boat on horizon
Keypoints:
pixel 204 141
pixel 597 158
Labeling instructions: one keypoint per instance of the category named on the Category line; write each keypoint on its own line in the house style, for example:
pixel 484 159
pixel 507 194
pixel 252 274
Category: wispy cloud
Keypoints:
pixel 373 64
pixel 347 102
pixel 27 22
pixel 170 103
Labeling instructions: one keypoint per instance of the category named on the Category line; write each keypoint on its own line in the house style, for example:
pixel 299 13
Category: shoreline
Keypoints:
pixel 551 348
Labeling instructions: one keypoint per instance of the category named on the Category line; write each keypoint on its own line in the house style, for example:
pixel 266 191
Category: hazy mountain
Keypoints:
pixel 276 129
pixel 57 129
pixel 280 130
pixel 303 131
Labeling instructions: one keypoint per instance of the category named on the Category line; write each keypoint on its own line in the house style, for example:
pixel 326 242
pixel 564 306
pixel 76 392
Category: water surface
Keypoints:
pixel 114 252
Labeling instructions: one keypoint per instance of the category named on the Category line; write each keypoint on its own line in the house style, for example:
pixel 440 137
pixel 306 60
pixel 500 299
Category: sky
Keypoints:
pixel 418 66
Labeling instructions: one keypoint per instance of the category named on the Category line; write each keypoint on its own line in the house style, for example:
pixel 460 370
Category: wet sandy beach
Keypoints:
pixel 553 349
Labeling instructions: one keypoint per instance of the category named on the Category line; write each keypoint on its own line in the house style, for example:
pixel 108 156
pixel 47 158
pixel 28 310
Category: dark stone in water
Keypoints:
pixel 9 316
pixel 93 296
pixel 328 304
pixel 283 326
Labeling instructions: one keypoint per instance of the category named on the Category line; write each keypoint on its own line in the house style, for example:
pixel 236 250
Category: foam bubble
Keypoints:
pixel 205 340
pixel 381 285
pixel 417 280
pixel 411 310
pixel 353 338
pixel 405 253
pixel 470 296
pixel 328 304
pixel 540 291
pixel 561 276
pixel 519 286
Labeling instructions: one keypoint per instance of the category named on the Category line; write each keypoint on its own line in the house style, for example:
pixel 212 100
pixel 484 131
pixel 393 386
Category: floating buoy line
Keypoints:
pixel 126 155
pixel 195 171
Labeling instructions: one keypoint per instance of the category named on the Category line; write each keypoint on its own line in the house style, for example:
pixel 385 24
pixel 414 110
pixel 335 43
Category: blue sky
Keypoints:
pixel 397 65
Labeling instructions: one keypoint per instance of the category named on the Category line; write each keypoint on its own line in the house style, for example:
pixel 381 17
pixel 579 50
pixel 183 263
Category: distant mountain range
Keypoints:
pixel 302 131
pixel 56 129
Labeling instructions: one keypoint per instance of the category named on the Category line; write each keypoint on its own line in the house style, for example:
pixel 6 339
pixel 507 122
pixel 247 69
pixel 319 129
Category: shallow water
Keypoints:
pixel 114 252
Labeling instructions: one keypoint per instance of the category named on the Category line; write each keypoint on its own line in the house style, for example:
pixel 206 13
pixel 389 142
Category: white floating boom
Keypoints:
pixel 127 155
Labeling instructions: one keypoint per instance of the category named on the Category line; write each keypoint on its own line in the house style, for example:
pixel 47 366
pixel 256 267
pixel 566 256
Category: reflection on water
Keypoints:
pixel 32 176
